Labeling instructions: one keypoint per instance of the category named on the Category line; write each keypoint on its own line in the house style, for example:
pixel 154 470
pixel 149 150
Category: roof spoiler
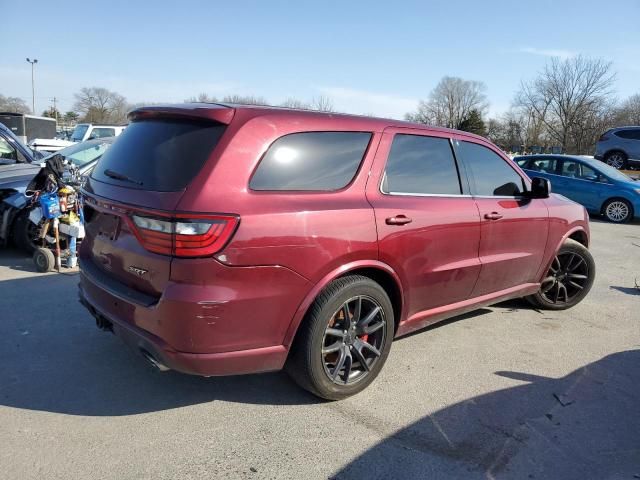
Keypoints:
pixel 197 111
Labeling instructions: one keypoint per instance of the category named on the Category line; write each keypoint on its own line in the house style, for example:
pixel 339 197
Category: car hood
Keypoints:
pixel 18 175
pixel 54 142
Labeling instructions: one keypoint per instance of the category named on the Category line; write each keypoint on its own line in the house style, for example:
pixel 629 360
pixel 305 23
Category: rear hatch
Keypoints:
pixel 131 195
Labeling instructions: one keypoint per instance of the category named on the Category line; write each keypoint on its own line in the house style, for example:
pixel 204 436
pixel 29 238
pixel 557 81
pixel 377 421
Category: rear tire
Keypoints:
pixel 44 260
pixel 568 280
pixel 616 159
pixel 337 354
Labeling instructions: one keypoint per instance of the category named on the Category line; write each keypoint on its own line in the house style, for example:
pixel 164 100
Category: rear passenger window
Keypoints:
pixel 421 165
pixel 629 134
pixel 313 161
pixel 491 174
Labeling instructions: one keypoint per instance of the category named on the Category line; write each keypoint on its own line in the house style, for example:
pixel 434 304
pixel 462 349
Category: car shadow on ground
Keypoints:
pixel 595 218
pixel 54 359
pixel 627 290
pixel 583 425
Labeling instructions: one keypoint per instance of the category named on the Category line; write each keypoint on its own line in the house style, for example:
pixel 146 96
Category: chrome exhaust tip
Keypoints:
pixel 153 362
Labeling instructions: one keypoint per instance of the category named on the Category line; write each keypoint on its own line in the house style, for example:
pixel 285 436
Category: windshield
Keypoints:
pixel 613 173
pixel 83 153
pixel 78 132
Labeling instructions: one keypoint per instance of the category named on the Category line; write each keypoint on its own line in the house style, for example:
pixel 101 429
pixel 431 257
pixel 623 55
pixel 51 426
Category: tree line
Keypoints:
pixel 568 104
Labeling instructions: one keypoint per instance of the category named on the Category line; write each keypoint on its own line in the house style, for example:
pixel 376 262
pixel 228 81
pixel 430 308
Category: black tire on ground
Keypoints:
pixel 44 260
pixel 25 232
pixel 616 159
pixel 575 271
pixel 617 210
pixel 307 364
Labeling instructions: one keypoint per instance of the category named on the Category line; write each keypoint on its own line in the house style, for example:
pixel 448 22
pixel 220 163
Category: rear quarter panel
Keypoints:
pixel 307 232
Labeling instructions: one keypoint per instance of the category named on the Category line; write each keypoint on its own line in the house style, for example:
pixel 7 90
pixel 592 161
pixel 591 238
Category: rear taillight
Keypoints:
pixel 603 137
pixel 183 235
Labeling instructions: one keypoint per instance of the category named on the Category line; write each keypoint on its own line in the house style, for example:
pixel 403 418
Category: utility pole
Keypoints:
pixel 55 110
pixel 33 87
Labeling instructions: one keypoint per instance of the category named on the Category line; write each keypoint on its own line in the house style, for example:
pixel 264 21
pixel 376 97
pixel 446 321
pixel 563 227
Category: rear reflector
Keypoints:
pixel 183 235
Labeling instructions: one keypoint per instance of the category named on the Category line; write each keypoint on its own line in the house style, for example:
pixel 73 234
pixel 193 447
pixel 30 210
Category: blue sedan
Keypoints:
pixel 600 188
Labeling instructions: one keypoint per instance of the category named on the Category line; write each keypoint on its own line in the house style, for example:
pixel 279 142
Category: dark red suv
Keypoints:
pixel 225 239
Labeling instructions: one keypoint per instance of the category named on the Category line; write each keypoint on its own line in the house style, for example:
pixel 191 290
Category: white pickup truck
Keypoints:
pixel 82 132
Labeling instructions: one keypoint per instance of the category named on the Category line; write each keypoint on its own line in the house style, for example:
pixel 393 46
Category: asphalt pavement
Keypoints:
pixel 504 392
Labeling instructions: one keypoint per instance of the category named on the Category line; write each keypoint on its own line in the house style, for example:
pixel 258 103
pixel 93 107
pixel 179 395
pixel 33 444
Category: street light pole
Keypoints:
pixel 33 87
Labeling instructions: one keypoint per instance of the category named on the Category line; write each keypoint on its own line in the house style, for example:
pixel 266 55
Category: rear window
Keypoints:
pixel 159 155
pixel 312 161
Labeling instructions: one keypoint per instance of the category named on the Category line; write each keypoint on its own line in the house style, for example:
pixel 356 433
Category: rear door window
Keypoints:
pixel 631 134
pixel 311 161
pixel 159 155
pixel 491 174
pixel 421 165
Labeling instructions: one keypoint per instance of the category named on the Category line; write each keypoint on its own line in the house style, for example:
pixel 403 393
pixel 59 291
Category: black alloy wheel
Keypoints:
pixel 344 339
pixel 353 339
pixel 568 280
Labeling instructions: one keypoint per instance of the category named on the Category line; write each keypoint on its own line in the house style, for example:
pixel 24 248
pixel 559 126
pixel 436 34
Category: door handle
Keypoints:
pixel 398 220
pixel 493 216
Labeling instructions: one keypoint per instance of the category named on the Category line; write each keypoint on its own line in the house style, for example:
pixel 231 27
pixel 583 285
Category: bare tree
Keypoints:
pixel 202 98
pixel 13 105
pixel 99 105
pixel 566 96
pixel 629 112
pixel 322 104
pixel 245 100
pixel 295 103
pixel 451 102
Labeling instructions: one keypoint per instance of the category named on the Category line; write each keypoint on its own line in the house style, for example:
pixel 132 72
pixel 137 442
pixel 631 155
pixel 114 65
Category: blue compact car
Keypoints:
pixel 600 188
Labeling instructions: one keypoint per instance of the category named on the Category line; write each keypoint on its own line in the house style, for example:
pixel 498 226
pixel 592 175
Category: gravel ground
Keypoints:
pixel 505 392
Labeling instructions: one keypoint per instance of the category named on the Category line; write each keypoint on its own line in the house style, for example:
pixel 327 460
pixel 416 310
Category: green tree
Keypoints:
pixel 473 123
pixel 52 113
pixel 71 117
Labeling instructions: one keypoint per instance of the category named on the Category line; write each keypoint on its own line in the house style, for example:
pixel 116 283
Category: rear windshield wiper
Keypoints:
pixel 121 176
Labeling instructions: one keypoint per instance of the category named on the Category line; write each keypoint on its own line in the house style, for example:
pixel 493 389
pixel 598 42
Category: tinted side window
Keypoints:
pixel 311 161
pixel 419 165
pixel 491 174
pixel 629 134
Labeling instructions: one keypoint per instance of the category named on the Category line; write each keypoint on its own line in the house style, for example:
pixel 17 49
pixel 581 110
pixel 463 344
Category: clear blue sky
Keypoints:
pixel 369 57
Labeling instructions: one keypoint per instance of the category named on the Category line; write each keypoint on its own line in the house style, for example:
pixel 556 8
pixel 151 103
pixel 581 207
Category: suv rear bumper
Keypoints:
pixel 205 364
pixel 234 324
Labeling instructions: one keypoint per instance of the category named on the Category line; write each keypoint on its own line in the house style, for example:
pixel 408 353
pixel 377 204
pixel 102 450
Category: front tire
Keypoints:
pixel 25 232
pixel 568 280
pixel 617 210
pixel 344 340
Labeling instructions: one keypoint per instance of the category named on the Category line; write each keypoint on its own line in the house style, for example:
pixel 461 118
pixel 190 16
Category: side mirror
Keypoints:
pixel 540 188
